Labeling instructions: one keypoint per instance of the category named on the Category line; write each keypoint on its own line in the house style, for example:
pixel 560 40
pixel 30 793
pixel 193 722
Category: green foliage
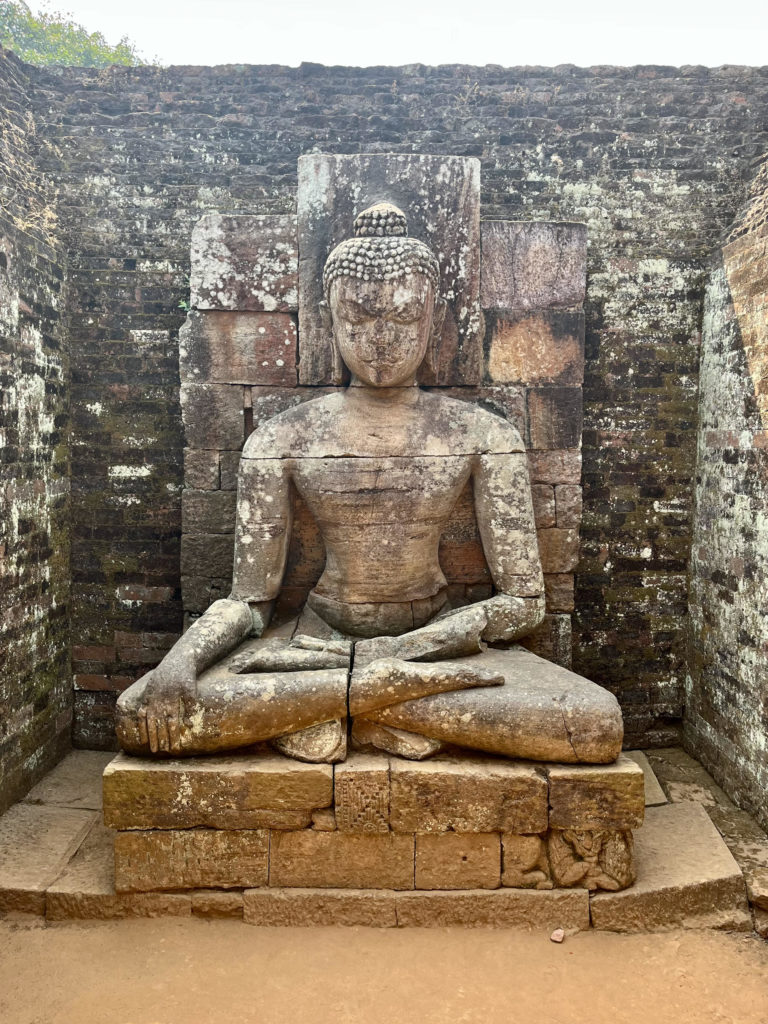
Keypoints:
pixel 51 37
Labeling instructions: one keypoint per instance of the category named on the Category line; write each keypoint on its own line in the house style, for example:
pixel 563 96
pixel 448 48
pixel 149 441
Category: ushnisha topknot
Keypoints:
pixel 380 250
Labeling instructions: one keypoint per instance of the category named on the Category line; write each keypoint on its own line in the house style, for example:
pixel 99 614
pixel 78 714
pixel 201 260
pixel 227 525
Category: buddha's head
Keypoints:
pixel 381 291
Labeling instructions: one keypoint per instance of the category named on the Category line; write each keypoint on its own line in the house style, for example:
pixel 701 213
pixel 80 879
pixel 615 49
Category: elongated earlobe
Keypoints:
pixel 438 319
pixel 337 364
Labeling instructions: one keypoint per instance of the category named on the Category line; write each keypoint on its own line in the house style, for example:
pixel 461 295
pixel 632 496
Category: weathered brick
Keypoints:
pixel 543 505
pixel 466 795
pixel 361 794
pixel 229 463
pixel 207 555
pixel 559 550
pixel 532 265
pixel 558 587
pixel 201 469
pixel 568 501
pixel 208 512
pixel 597 796
pixel 552 640
pixel 236 792
pixel 205 858
pixel 245 263
pixel 532 348
pixel 554 417
pixel 452 860
pixel 213 415
pixel 555 467
pixel 200 592
pixel 339 860
pixel 224 347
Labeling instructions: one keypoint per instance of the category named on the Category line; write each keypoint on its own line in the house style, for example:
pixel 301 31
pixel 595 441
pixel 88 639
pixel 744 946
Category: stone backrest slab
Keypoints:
pixel 440 196
pixel 244 263
pixel 238 347
pixel 533 264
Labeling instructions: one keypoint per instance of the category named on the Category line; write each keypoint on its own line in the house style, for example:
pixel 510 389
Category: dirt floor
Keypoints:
pixel 206 972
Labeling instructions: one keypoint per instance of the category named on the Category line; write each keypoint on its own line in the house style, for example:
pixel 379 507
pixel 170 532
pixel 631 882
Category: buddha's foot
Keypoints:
pixel 410 745
pixel 320 744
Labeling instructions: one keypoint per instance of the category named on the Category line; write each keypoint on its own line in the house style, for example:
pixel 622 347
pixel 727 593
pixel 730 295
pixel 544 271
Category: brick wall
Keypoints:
pixel 726 697
pixel 35 677
pixel 653 159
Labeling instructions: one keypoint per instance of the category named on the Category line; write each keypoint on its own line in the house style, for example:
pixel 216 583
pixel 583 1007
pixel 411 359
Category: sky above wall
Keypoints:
pixel 366 32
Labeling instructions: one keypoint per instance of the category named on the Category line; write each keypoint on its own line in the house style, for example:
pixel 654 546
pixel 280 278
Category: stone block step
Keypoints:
pixel 686 878
pixel 372 793
pixel 467 795
pixel 244 791
pixel 86 888
pixel 501 908
pixel 36 843
pixel 654 794
pixel 202 858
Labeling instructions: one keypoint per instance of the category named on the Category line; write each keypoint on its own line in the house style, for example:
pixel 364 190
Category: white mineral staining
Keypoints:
pixel 129 472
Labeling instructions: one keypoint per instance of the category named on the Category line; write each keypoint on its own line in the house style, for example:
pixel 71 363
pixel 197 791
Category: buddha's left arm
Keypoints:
pixel 504 510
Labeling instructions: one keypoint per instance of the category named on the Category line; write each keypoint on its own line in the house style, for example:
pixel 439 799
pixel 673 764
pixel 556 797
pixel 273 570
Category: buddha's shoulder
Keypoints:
pixel 467 426
pixel 292 432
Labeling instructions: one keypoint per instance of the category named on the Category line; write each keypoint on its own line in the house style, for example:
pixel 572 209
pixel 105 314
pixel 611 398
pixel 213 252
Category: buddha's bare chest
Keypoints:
pixel 405 490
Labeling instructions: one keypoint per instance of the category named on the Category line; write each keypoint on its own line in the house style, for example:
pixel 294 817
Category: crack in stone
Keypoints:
pixel 559 701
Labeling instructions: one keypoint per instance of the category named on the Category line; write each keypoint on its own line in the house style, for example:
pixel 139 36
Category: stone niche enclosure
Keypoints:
pixel 513 341
pixel 104 176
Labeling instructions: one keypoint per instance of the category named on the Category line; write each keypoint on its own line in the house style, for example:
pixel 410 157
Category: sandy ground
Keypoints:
pixel 206 972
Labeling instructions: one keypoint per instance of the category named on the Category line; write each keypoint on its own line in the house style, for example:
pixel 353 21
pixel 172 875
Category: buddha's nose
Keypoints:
pixel 383 329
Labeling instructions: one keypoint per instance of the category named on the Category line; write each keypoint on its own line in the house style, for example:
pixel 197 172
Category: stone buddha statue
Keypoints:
pixel 380 465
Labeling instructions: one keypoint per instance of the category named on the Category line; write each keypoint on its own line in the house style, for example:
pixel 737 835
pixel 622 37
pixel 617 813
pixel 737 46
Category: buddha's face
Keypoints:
pixel 382 328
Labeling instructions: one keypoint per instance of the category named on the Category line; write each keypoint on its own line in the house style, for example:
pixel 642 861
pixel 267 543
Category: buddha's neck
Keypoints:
pixel 364 394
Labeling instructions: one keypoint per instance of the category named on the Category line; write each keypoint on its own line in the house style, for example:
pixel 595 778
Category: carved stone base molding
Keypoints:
pixel 454 823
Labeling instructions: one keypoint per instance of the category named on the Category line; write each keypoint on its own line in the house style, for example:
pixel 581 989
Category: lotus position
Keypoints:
pixel 380 465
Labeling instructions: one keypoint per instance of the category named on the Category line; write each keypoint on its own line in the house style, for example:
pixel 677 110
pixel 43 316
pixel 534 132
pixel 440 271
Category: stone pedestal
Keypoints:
pixel 261 822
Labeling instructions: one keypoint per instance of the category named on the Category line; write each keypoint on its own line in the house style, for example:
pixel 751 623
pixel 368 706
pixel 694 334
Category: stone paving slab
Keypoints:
pixel 683 778
pixel 749 846
pixel 500 908
pixel 686 878
pixel 36 843
pixel 313 907
pixel 74 782
pixel 654 794
pixel 686 781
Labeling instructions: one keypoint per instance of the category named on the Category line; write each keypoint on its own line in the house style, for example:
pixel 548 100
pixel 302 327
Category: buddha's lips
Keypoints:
pixel 384 364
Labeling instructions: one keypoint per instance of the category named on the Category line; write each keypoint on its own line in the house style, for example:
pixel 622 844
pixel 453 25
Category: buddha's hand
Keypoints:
pixel 458 633
pixel 455 635
pixel 168 703
pixel 511 618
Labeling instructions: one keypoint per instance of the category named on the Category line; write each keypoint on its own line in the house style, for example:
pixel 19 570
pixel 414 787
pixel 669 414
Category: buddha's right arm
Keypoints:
pixel 261 541
pixel 262 530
